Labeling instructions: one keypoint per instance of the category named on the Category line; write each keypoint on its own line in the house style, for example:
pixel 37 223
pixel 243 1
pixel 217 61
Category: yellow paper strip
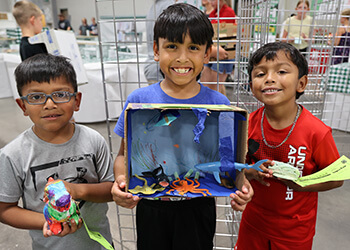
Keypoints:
pixel 337 171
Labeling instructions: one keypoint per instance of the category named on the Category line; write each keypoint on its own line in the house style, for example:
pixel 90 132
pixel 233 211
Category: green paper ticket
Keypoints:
pixel 96 236
pixel 337 171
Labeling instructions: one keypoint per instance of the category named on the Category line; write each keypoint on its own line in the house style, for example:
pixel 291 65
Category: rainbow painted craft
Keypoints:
pixel 60 206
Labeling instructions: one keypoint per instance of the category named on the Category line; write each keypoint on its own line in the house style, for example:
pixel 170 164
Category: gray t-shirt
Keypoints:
pixel 26 164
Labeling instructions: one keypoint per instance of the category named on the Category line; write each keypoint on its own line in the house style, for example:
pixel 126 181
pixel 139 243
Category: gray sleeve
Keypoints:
pixel 10 180
pixel 104 161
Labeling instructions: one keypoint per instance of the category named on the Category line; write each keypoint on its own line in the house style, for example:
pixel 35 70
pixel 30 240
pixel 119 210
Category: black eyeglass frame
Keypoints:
pixel 49 96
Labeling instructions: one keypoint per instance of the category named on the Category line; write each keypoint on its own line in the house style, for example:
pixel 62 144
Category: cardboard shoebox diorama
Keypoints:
pixel 227 33
pixel 64 43
pixel 184 150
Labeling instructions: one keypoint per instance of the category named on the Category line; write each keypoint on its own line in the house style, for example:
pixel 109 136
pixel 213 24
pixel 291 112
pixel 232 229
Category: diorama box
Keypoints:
pixel 227 33
pixel 174 149
pixel 64 43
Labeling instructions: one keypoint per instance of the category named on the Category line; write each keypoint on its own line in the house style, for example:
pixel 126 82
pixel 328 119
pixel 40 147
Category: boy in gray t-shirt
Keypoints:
pixel 54 147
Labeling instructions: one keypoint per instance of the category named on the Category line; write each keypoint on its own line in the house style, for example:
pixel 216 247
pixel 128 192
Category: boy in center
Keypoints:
pixel 182 45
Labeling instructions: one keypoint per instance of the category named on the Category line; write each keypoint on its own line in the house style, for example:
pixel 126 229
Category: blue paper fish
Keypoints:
pixel 216 168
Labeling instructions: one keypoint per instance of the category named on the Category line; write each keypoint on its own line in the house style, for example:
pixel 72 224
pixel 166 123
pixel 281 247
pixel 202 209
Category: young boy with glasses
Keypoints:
pixel 54 147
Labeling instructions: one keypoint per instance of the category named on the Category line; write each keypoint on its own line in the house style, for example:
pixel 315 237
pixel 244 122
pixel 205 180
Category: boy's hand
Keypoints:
pixel 121 197
pixel 241 198
pixel 290 39
pixel 223 54
pixel 259 176
pixel 67 228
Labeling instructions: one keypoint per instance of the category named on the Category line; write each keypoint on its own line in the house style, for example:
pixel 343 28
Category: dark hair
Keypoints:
pixel 44 68
pixel 303 1
pixel 269 52
pixel 178 20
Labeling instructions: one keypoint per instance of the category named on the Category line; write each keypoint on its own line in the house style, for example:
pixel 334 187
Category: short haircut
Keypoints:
pixel 269 52
pixel 179 19
pixel 44 68
pixel 24 10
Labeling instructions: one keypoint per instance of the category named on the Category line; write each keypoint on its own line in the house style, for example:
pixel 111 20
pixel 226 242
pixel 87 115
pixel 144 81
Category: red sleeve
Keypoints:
pixel 326 152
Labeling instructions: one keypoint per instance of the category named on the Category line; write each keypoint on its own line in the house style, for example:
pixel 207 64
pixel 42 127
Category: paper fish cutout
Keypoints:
pixel 216 168
pixel 145 189
pixel 60 206
pixel 164 118
pixel 158 174
pixel 285 171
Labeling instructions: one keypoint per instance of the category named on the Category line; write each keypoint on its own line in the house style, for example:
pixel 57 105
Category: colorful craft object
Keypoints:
pixel 187 185
pixel 216 167
pixel 60 206
pixel 145 189
pixel 285 171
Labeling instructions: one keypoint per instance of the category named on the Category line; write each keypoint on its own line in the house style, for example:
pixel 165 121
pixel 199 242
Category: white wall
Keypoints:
pixel 6 5
pixel 78 9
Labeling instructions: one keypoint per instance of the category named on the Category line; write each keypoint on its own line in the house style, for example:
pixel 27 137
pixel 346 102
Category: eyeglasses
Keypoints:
pixel 41 98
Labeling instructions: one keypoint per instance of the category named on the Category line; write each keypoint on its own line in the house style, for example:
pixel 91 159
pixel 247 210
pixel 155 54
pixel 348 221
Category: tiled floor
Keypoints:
pixel 333 224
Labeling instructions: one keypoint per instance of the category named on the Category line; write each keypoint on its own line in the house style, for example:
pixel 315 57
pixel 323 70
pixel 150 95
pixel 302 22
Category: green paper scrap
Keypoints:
pixel 337 171
pixel 96 236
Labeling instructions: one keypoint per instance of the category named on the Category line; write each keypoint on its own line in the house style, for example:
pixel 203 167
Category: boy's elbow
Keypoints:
pixel 339 184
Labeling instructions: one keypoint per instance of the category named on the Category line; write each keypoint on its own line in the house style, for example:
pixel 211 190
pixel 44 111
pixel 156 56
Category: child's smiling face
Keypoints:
pixel 275 82
pixel 181 63
pixel 50 118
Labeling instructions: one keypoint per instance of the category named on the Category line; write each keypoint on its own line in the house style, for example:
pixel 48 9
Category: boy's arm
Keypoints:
pixel 93 192
pixel 223 54
pixel 244 193
pixel 15 216
pixel 121 197
pixel 313 188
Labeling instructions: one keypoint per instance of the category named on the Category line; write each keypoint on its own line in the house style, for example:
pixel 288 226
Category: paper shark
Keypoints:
pixel 215 168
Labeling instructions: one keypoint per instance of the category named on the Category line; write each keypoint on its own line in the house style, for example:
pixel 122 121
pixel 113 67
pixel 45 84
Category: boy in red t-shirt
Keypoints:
pixel 282 215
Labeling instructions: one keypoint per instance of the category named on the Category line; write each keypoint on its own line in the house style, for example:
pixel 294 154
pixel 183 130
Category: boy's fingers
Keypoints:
pixel 46 230
pixel 120 180
pixel 237 203
pixel 65 229
pixel 123 198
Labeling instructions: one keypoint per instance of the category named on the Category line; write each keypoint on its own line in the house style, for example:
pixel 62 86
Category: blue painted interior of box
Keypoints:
pixel 166 138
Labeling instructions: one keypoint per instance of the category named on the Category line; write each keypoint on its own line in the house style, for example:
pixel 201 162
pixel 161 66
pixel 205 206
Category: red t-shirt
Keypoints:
pixel 225 11
pixel 278 212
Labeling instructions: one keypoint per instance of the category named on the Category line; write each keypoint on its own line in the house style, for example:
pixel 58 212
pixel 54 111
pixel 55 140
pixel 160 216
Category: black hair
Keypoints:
pixel 269 52
pixel 179 19
pixel 44 68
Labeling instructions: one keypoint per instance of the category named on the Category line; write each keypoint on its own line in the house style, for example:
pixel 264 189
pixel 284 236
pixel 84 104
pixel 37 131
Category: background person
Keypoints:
pixel 296 29
pixel 208 8
pixel 211 73
pixel 342 39
pixel 93 27
pixel 63 24
pixel 29 17
pixel 152 70
pixel 84 28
